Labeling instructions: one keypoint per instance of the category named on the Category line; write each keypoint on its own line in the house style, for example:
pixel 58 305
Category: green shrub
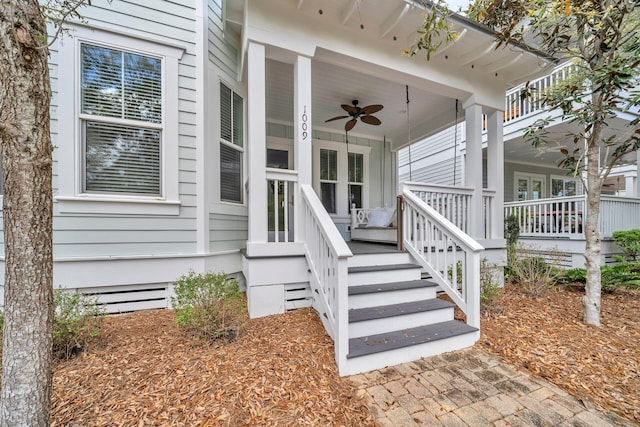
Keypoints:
pixel 77 318
pixel 489 286
pixel 574 275
pixel 532 272
pixel 625 274
pixel 211 306
pixel 629 242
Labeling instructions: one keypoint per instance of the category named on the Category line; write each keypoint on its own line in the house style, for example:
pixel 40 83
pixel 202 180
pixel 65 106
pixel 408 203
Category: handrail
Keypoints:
pixel 327 255
pixel 441 188
pixel 446 252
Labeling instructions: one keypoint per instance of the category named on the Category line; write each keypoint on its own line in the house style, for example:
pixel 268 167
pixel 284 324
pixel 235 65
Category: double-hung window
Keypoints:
pixel 118 119
pixel 328 179
pixel 231 145
pixel 121 124
pixel 356 179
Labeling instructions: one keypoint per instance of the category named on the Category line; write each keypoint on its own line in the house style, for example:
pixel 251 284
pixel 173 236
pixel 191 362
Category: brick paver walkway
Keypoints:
pixel 472 388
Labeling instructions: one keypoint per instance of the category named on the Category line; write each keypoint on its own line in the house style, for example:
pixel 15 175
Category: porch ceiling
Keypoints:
pixel 334 85
pixel 357 45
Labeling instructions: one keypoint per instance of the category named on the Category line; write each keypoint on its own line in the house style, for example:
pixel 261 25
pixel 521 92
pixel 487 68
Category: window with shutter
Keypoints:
pixel 231 145
pixel 121 121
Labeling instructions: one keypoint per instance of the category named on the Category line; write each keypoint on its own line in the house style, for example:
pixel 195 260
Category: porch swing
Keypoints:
pixel 379 225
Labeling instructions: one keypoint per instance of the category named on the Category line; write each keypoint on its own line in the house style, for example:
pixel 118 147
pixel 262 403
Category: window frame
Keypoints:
pixel 71 196
pixel 239 148
pixel 342 185
pixel 529 177
pixel 564 180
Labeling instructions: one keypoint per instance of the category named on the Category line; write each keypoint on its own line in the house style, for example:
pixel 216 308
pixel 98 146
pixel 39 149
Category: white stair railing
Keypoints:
pixel 327 256
pixel 449 201
pixel 450 256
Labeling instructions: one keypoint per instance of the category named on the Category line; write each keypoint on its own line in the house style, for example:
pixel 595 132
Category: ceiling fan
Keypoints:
pixel 362 113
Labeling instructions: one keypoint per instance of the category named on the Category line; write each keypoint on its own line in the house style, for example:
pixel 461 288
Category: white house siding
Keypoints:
pixel 228 229
pixel 432 159
pixel 135 254
pixel 223 53
pixel 228 232
pixel 89 235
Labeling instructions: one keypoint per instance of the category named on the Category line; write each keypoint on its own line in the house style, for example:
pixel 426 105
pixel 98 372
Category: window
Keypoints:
pixel 563 186
pixel 341 175
pixel 118 115
pixel 529 186
pixel 231 145
pixel 121 121
pixel 328 179
pixel 356 179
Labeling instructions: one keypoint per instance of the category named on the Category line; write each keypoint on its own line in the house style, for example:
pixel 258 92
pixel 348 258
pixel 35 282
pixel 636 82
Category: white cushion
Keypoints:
pixel 380 217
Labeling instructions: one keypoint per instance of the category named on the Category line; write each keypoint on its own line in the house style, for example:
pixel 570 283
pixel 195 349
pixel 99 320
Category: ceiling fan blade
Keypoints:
pixel 350 124
pixel 349 108
pixel 336 118
pixel 371 120
pixel 370 109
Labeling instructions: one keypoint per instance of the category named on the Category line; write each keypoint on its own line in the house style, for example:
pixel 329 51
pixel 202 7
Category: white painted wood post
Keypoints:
pixel 495 172
pixel 473 167
pixel 256 106
pixel 301 134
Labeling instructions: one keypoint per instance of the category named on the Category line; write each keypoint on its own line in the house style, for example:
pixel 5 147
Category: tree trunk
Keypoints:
pixel 27 208
pixel 592 253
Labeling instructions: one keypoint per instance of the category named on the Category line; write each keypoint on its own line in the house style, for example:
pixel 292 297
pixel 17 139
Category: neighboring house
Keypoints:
pixel 549 203
pixel 194 135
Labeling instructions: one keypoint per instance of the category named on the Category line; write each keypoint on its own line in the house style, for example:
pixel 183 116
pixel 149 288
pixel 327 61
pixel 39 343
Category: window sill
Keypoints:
pixel 117 206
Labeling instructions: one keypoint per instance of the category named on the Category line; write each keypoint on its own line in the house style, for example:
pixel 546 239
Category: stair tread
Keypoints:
pixel 372 344
pixel 372 268
pixel 393 286
pixel 392 310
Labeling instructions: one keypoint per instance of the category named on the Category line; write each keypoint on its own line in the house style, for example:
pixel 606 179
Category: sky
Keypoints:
pixel 457 4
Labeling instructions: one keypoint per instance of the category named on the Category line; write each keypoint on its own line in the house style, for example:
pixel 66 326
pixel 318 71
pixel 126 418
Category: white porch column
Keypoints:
pixel 495 172
pixel 301 132
pixel 256 112
pixel 473 167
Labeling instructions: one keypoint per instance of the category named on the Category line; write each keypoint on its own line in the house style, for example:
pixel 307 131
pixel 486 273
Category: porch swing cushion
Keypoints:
pixel 381 217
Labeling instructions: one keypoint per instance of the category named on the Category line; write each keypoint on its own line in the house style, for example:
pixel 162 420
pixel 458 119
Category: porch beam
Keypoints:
pixel 469 58
pixel 257 158
pixel 349 11
pixel 448 45
pixel 394 20
pixel 495 172
pixel 473 167
pixel 302 133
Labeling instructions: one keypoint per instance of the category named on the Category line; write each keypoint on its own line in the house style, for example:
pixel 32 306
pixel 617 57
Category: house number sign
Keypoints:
pixel 305 125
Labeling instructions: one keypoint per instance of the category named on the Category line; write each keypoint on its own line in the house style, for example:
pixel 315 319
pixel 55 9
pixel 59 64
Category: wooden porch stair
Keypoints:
pixel 394 314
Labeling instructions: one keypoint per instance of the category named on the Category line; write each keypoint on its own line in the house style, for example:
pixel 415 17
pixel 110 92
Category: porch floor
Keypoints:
pixel 362 248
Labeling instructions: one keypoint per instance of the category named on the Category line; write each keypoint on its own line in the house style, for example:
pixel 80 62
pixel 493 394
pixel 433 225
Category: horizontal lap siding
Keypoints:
pixel 222 52
pixel 228 232
pixel 85 235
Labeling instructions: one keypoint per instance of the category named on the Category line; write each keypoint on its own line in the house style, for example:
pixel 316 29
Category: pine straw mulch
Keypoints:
pixel 547 336
pixel 144 371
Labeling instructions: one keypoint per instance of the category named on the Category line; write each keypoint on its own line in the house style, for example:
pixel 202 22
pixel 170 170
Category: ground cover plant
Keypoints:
pixel 77 321
pixel 209 305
